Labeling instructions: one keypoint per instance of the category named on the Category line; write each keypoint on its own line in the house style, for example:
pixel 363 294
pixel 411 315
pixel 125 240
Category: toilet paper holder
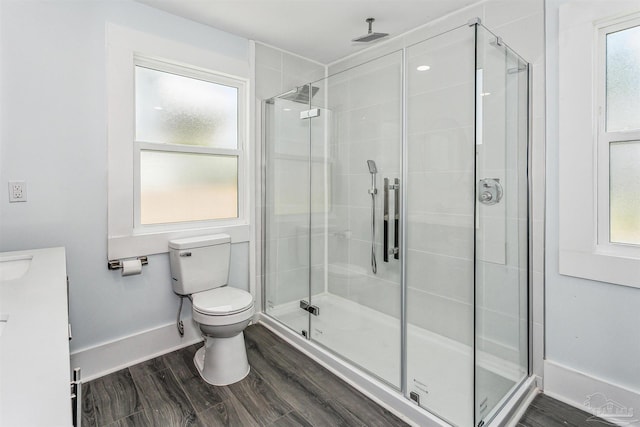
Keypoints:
pixel 117 263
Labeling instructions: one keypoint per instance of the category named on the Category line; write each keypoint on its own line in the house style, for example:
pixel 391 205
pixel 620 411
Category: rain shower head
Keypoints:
pixel 300 94
pixel 370 36
pixel 372 166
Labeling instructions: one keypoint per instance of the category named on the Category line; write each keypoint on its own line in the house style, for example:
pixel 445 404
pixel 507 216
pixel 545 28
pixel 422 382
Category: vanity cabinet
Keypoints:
pixel 34 339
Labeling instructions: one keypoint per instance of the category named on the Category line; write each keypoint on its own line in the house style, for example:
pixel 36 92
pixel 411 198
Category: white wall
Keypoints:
pixel 54 137
pixel 591 327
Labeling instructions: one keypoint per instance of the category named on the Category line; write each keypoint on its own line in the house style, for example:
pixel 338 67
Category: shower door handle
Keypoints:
pixel 385 218
pixel 395 251
pixel 396 219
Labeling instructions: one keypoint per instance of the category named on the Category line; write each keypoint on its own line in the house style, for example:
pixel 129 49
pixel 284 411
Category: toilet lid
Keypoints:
pixel 222 301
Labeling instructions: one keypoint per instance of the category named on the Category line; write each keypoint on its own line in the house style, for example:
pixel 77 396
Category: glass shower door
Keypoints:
pixel 501 271
pixel 358 134
pixel 440 224
pixel 286 210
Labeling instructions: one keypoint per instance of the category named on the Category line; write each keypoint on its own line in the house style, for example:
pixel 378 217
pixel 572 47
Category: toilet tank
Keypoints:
pixel 199 263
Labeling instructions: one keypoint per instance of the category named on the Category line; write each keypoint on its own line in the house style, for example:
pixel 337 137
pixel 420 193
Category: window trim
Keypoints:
pixel 238 152
pixel 580 254
pixel 605 138
pixel 125 49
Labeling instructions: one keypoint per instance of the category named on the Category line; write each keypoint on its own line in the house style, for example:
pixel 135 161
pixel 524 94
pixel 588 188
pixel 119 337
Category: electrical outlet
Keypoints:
pixel 17 191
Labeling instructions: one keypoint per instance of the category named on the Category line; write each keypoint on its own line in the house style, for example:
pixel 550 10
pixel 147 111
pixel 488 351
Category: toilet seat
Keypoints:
pixel 222 301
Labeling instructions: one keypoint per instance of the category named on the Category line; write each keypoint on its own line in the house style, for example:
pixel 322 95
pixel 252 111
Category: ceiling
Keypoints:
pixel 317 29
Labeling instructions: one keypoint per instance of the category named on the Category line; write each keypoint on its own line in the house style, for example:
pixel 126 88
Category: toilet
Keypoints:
pixel 200 270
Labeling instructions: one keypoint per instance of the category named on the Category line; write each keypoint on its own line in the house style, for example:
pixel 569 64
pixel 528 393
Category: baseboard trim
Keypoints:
pixel 109 357
pixel 612 402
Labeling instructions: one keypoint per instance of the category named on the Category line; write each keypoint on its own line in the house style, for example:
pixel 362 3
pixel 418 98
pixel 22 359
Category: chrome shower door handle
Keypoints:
pixel 396 219
pixel 395 251
pixel 385 217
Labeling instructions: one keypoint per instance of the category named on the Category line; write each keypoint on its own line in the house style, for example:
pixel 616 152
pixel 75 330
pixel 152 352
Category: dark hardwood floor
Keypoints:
pixel 284 388
pixel 545 411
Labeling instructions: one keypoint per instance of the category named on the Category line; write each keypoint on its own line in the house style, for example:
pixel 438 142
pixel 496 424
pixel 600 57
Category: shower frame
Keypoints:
pixel 356 375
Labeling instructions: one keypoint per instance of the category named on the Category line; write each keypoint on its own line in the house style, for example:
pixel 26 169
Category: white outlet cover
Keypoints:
pixel 17 191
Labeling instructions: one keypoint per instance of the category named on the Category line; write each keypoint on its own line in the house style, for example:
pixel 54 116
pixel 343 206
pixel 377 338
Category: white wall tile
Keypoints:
pixel 451 236
pixel 451 64
pixel 448 277
pixel 380 82
pixel 378 294
pixel 376 121
pixel 298 71
pixel 501 12
pixel 442 150
pixel 443 27
pixel 499 327
pixel 269 83
pixel 357 189
pixel 385 152
pixel 497 289
pixel 447 108
pixel 441 192
pixel 525 36
pixel 446 317
pixel 268 57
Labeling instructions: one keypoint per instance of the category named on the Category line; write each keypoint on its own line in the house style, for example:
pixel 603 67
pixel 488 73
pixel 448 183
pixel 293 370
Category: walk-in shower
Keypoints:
pixel 423 282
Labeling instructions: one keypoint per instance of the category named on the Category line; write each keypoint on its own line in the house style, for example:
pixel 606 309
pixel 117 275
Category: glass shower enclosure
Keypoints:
pixel 395 219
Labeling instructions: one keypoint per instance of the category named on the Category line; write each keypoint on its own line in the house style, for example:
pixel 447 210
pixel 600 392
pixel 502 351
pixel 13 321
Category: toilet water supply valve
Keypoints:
pixel 180 325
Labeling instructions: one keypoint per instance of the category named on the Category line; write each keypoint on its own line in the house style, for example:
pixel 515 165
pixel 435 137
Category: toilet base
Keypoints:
pixel 222 361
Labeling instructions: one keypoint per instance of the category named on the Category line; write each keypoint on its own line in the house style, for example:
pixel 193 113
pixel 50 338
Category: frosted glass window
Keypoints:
pixel 177 187
pixel 174 109
pixel 623 80
pixel 624 192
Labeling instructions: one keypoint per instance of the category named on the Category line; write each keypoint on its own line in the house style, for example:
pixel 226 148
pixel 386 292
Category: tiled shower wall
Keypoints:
pixel 440 193
pixel 366 106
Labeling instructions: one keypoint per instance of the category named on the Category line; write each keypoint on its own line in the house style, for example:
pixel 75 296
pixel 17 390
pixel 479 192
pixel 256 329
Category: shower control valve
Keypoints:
pixel 489 191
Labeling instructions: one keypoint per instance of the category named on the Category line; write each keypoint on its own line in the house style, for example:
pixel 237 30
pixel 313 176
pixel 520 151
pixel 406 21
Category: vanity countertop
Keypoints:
pixel 34 344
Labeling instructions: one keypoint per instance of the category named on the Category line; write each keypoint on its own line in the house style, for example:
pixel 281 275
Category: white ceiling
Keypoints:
pixel 317 29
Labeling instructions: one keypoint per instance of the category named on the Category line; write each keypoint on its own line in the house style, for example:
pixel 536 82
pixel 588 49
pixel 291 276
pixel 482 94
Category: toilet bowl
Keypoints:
pixel 200 269
pixel 222 315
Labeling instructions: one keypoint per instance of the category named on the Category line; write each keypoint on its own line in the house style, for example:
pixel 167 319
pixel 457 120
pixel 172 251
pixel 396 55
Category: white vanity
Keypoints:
pixel 34 339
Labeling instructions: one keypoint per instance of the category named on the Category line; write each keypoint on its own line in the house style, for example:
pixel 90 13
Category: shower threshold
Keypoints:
pixel 439 369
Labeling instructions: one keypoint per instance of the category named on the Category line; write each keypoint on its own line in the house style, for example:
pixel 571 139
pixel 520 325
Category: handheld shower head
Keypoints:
pixel 372 166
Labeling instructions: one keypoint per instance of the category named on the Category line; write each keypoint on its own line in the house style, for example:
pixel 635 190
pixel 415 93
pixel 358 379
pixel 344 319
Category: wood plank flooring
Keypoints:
pixel 545 411
pixel 284 388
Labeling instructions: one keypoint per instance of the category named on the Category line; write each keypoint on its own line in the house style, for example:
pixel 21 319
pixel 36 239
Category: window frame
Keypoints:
pixel 583 250
pixel 125 49
pixel 605 138
pixel 238 153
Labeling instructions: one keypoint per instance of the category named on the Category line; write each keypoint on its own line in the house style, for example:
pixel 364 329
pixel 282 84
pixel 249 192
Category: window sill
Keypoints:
pixel 157 242
pixel 601 267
